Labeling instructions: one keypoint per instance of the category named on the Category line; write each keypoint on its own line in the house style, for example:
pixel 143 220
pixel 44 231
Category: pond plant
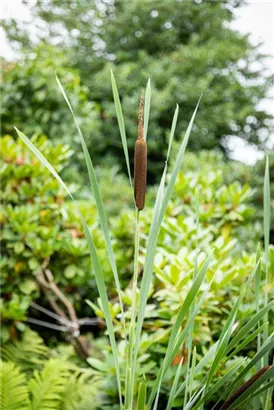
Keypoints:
pixel 134 391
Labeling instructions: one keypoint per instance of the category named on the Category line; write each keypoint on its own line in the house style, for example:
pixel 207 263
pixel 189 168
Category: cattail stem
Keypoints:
pixel 244 387
pixel 140 162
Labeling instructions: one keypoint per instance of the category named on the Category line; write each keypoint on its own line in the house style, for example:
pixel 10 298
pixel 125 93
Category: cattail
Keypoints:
pixel 140 162
pixel 244 387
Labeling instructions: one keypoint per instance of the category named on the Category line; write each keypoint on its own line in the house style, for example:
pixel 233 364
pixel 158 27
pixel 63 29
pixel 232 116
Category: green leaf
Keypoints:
pixel 266 242
pixel 157 218
pixel 219 385
pixel 251 390
pixel 141 401
pixel 100 282
pixel 19 247
pixel 70 271
pixel 172 131
pixel 175 343
pixel 227 330
pixel 245 342
pixel 47 386
pixel 28 286
pixel 98 200
pixel 120 122
pixel 147 108
pixel 14 390
pixel 202 363
pixel 249 325
pixel 266 207
pixel 174 386
pixel 266 347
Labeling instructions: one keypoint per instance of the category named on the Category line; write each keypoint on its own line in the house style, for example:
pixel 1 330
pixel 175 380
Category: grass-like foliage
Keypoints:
pixel 134 392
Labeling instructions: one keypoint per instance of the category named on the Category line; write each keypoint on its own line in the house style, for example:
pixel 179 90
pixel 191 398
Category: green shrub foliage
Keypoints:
pixel 39 225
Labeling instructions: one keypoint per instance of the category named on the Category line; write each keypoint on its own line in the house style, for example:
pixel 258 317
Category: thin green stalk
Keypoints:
pixel 256 400
pixel 190 336
pixel 163 197
pixel 266 250
pixel 131 380
pixel 135 270
pixel 258 293
pixel 266 241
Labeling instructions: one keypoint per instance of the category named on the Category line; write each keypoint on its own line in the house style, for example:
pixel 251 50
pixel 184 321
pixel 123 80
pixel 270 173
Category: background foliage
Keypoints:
pixel 186 47
pixel 184 53
pixel 35 227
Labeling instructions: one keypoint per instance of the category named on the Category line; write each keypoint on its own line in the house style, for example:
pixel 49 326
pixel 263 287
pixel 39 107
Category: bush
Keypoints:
pixel 31 99
pixel 226 217
pixel 39 226
pixel 226 214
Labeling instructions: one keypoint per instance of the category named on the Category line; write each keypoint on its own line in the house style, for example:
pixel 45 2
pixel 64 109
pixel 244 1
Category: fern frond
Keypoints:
pixel 26 353
pixel 81 392
pixel 14 390
pixel 47 387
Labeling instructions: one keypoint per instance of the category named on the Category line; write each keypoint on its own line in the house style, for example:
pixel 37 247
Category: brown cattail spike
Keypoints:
pixel 140 162
pixel 244 387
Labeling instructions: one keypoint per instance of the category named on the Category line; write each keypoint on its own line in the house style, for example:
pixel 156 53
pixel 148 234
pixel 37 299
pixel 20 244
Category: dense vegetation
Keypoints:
pixel 227 219
pixel 184 53
pixel 55 351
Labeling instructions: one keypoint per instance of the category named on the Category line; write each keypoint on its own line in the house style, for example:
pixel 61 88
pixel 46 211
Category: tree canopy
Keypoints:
pixel 185 47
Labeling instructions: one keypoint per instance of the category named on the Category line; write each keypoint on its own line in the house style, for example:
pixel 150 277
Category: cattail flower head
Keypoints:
pixel 140 162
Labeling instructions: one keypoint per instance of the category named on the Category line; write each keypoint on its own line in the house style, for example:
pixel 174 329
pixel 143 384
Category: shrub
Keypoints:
pixel 226 214
pixel 131 389
pixel 30 99
pixel 39 225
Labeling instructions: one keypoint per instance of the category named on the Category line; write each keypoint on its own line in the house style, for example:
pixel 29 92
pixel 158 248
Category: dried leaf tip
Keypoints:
pixel 140 162
pixel 140 119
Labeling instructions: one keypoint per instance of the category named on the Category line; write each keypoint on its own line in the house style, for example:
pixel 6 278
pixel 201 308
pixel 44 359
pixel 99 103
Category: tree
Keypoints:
pixel 186 47
pixel 32 102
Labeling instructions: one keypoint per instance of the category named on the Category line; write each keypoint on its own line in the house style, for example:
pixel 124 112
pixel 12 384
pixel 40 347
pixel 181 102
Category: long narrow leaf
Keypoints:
pixel 174 386
pixel 121 122
pixel 257 302
pixel 153 235
pixel 192 307
pixel 94 258
pixel 245 342
pixel 99 203
pixel 147 108
pixel 223 343
pixel 227 330
pixel 266 242
pixel 172 131
pixel 267 386
pixel 266 348
pixel 266 207
pixel 218 386
pixel 175 344
pixel 202 363
pixel 252 389
pixel 141 401
pixel 249 325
